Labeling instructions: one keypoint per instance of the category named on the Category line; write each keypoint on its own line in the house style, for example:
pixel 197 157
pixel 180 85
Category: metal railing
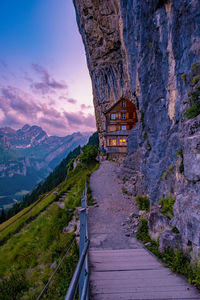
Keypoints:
pixel 81 274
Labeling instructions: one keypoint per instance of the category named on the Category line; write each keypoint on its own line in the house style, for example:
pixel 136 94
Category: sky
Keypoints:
pixel 44 78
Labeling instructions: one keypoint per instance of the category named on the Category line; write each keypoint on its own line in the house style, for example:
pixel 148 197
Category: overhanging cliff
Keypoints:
pixel 149 52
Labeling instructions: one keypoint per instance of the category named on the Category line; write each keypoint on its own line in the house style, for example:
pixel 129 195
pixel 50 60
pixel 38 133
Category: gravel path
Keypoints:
pixel 113 208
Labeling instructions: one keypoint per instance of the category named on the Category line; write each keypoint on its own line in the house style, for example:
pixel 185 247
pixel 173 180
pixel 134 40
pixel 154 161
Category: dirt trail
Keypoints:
pixel 114 207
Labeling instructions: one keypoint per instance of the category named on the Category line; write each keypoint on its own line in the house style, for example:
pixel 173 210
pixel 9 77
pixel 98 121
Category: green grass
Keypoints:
pixel 28 255
pixel 24 217
pixel 143 202
pixel 167 206
pixel 81 175
pixel 31 253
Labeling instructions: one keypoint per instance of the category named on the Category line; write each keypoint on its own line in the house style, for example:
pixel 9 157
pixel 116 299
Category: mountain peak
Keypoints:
pixel 26 127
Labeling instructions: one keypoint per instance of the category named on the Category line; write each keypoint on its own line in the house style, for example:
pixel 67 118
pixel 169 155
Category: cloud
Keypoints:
pixel 53 123
pixel 47 83
pixel 72 101
pixel 79 119
pixel 85 107
pixel 18 108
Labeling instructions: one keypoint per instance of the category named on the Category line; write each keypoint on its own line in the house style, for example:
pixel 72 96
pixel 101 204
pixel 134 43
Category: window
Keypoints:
pixel 112 128
pixel 122 142
pixel 123 127
pixel 112 142
pixel 123 103
pixel 123 116
pixel 112 116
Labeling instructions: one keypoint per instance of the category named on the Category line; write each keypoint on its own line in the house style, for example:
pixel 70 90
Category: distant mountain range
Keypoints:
pixel 28 155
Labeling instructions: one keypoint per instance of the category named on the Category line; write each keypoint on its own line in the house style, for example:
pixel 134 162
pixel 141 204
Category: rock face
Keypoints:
pixel 28 155
pixel 149 52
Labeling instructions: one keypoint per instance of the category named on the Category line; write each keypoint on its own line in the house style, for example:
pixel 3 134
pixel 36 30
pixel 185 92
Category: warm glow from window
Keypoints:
pixel 113 142
pixel 122 142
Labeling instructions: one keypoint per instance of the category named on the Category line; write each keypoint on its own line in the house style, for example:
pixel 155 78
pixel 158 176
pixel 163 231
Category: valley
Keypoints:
pixel 27 156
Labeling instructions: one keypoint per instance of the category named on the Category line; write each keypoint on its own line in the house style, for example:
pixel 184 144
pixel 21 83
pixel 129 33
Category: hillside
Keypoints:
pixel 29 257
pixel 27 156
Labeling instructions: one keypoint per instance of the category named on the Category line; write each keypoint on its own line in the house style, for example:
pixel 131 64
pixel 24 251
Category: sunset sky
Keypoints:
pixel 44 78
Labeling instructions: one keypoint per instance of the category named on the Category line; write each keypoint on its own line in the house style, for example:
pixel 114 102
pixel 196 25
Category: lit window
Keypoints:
pixel 123 127
pixel 112 116
pixel 113 142
pixel 123 116
pixel 122 142
pixel 123 103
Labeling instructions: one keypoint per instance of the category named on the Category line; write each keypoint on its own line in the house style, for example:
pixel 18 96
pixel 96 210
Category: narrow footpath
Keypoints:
pixel 120 268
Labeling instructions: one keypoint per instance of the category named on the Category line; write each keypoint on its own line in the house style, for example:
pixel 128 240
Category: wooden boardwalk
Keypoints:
pixel 120 268
pixel 134 274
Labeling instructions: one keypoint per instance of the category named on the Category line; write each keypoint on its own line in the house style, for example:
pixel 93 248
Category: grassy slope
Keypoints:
pixel 26 258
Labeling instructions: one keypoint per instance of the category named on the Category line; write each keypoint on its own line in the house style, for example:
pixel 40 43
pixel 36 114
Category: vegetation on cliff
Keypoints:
pixel 176 260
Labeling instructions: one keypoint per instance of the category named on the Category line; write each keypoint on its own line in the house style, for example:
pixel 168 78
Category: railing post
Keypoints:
pixel 83 238
pixel 81 274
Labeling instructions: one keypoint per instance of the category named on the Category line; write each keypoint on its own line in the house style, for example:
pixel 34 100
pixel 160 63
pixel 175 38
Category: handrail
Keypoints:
pixel 74 282
pixel 81 274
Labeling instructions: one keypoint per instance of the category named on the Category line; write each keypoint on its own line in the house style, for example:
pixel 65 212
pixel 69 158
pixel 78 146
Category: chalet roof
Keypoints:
pixel 116 104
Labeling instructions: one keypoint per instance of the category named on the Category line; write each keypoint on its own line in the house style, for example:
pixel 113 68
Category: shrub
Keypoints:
pixel 175 229
pixel 195 66
pixel 143 231
pixel 89 154
pixel 167 206
pixel 143 202
pixel 194 109
pixel 184 77
pixel 195 80
pixel 12 286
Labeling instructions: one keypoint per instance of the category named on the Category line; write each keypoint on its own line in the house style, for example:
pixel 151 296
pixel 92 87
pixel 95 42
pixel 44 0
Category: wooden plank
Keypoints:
pixel 146 296
pixel 140 282
pixel 124 266
pixel 123 275
pixel 142 289
pixel 125 259
pixel 119 251
pixel 118 256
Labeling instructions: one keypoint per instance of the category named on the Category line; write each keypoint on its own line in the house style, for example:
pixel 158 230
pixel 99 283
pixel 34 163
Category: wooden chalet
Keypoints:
pixel 120 119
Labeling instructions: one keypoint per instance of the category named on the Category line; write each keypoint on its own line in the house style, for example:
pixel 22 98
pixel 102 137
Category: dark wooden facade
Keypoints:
pixel 120 119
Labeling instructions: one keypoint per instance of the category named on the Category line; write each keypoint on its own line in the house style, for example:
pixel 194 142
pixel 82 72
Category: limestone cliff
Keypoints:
pixel 148 51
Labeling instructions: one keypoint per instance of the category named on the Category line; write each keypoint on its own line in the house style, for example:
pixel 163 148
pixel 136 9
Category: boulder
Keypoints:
pixel 169 240
pixel 157 222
